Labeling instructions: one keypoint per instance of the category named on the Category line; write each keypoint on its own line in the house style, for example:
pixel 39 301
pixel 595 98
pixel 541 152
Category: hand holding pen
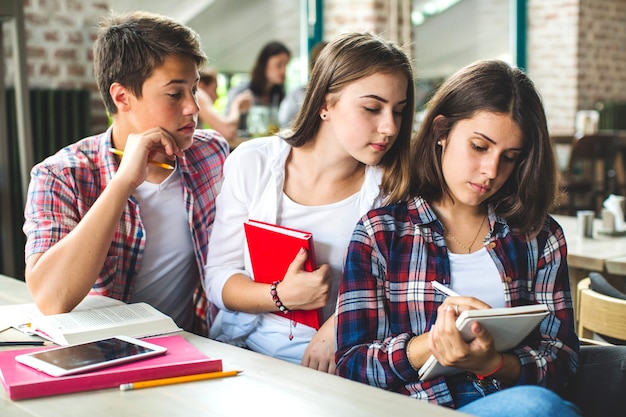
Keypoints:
pixel 466 303
pixel 150 161
pixel 443 289
pixel 447 343
pixel 438 286
pixel 139 151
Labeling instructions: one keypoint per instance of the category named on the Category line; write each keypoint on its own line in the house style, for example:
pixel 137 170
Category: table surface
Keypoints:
pixel 267 387
pixel 591 254
pixel 616 266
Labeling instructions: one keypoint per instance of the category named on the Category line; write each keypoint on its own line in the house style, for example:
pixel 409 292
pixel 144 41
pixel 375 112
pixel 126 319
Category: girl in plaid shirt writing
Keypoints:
pixel 475 218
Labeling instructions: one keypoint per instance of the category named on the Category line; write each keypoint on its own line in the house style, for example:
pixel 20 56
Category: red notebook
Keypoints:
pixel 182 358
pixel 272 248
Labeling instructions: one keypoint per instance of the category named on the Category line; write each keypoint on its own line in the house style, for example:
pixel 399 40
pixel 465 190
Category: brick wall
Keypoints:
pixel 59 35
pixel 348 15
pixel 576 55
pixel 552 47
pixel 576 49
pixel 572 68
pixel 601 51
pixel 342 16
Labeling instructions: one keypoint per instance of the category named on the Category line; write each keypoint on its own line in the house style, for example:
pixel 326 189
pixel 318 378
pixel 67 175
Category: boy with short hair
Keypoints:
pixel 127 226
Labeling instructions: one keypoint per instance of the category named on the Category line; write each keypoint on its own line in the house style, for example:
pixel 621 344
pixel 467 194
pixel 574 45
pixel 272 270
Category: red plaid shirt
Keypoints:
pixel 64 187
pixel 385 298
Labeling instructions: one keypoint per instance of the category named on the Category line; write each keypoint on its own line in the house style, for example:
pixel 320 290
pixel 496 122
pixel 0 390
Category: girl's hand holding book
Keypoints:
pixel 302 290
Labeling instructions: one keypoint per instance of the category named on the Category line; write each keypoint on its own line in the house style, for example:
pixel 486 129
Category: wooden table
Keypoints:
pixel 616 266
pixel 590 254
pixel 267 387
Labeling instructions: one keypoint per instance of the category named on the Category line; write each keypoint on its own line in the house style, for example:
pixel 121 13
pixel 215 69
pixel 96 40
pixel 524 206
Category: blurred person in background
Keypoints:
pixel 227 124
pixel 266 84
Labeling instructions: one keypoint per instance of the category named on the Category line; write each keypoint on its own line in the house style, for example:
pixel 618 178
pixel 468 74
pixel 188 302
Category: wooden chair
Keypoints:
pixel 599 384
pixel 597 313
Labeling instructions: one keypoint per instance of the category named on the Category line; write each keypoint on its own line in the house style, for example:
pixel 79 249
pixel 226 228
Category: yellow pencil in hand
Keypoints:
pixel 151 162
pixel 176 380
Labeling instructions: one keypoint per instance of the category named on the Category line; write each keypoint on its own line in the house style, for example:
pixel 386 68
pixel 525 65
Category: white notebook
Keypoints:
pixel 508 326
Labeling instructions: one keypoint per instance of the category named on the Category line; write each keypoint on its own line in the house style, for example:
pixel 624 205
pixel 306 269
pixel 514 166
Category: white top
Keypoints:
pixel 333 225
pixel 476 275
pixel 168 274
pixel 253 189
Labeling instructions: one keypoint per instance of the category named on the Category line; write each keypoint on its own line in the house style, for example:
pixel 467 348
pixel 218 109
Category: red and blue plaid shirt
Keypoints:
pixel 385 298
pixel 64 187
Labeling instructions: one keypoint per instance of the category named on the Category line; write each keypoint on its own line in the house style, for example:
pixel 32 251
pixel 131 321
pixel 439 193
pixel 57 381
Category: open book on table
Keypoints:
pixel 272 248
pixel 508 326
pixel 96 317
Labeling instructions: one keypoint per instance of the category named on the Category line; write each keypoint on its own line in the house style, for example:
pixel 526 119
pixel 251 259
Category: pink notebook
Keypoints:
pixel 182 358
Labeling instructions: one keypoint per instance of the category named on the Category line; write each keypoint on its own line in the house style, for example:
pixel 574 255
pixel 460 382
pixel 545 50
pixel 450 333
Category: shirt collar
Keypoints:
pixel 421 213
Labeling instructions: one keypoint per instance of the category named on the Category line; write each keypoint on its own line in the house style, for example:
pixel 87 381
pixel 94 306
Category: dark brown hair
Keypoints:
pixel 208 76
pixel 129 47
pixel 258 78
pixel 494 86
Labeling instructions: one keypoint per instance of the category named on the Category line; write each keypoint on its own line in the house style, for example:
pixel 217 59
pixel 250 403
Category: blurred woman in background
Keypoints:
pixel 267 82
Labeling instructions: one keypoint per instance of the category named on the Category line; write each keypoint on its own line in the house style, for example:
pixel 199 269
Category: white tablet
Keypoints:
pixel 74 359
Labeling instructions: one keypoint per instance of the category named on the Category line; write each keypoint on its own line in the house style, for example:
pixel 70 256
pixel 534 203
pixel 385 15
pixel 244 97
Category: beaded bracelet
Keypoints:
pixel 275 298
pixel 408 353
pixel 481 377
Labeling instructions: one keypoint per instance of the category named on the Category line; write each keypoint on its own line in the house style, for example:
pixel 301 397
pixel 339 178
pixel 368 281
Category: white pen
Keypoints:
pixel 443 289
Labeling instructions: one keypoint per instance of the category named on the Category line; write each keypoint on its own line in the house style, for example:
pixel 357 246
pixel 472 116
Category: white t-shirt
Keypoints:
pixel 168 274
pixel 476 275
pixel 253 185
pixel 332 226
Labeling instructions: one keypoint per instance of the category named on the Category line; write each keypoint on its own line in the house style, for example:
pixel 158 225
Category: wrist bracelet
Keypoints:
pixel 487 375
pixel 275 298
pixel 408 353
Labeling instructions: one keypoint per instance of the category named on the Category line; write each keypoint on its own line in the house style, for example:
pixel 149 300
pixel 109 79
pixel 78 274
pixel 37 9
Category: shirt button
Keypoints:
pixel 508 279
pixel 492 245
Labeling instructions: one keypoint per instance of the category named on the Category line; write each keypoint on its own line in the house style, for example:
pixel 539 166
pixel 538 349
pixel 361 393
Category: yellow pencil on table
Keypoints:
pixel 156 163
pixel 177 380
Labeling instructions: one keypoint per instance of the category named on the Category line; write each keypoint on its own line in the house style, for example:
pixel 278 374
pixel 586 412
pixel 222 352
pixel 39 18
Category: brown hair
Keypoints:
pixel 208 76
pixel 129 47
pixel 258 78
pixel 494 86
pixel 315 53
pixel 349 58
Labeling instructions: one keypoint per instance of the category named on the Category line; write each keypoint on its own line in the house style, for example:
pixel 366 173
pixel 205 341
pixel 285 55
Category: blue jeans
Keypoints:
pixel 520 401
pixel 465 388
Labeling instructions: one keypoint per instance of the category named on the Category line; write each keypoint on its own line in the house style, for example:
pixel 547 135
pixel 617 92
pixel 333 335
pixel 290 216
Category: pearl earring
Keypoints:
pixel 439 142
pixel 324 116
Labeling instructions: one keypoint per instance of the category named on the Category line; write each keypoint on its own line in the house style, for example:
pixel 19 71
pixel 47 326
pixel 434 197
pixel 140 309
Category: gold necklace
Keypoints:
pixel 469 249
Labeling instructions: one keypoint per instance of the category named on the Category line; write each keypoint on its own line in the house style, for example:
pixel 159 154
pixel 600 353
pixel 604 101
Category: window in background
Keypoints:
pixel 449 34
